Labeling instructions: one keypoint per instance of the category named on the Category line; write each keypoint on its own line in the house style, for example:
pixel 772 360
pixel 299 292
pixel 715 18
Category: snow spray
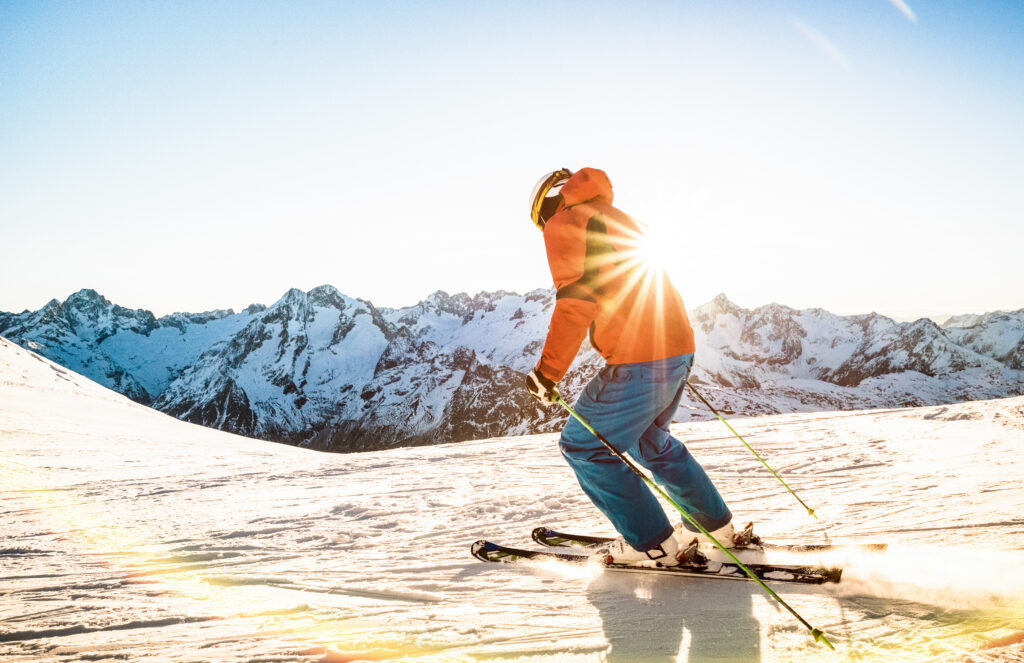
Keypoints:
pixel 943 576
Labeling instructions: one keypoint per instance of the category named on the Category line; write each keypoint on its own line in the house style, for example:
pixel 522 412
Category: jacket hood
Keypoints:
pixel 587 184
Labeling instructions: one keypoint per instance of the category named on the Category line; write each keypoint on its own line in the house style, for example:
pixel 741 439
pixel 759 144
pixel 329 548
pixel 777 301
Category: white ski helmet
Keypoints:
pixel 547 188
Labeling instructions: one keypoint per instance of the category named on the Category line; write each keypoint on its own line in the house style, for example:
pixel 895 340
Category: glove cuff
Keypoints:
pixel 547 382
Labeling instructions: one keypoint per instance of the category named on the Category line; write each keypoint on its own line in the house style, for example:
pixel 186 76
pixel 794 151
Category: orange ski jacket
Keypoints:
pixel 630 308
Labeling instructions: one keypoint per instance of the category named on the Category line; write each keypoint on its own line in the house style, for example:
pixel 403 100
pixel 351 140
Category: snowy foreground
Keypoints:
pixel 129 535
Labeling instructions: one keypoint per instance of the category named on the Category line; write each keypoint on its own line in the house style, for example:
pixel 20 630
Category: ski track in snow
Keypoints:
pixel 129 535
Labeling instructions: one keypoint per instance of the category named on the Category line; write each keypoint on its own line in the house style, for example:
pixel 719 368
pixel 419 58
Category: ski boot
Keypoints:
pixel 620 552
pixel 725 535
pixel 744 545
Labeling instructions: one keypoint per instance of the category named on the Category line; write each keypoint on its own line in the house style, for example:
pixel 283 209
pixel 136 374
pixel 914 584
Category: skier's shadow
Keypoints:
pixel 644 618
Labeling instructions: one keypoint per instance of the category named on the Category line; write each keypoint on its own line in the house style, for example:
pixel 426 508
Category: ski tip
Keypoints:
pixel 819 636
pixel 480 548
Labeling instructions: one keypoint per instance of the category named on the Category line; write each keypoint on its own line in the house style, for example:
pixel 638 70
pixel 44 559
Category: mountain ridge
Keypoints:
pixel 325 370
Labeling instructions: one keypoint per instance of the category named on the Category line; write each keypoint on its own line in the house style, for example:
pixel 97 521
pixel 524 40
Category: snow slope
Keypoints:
pixel 133 536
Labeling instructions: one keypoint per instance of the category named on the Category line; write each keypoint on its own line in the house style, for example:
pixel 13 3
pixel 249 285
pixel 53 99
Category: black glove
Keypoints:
pixel 542 388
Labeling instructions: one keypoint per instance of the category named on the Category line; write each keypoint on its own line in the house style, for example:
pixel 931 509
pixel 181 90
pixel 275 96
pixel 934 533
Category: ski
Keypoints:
pixel 697 565
pixel 553 538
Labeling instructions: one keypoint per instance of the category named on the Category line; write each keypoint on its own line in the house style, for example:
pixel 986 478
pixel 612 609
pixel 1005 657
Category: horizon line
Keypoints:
pixel 904 316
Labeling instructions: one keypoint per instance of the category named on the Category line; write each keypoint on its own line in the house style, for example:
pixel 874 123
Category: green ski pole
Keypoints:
pixel 817 634
pixel 810 511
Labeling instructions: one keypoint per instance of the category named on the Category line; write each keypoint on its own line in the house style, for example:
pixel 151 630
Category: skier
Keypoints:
pixel 637 322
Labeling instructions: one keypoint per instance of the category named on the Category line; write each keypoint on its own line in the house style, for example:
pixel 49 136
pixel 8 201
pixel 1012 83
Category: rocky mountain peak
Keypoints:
pixel 776 310
pixel 459 304
pixel 540 295
pixel 293 305
pixel 51 311
pixel 719 305
pixel 925 325
pixel 705 316
pixel 327 296
pixel 88 310
pixel 86 296
pixel 438 298
pixel 87 302
pixel 972 319
pixel 291 297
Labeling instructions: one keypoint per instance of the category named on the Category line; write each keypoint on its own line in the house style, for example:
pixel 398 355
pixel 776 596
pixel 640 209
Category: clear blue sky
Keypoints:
pixel 197 155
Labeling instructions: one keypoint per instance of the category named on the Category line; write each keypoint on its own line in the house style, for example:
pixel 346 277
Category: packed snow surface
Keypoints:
pixel 130 535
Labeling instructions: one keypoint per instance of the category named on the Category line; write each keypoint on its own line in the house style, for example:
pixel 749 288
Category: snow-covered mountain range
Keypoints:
pixel 323 370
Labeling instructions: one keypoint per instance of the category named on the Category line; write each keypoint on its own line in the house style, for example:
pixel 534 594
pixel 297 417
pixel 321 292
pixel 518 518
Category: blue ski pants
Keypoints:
pixel 632 405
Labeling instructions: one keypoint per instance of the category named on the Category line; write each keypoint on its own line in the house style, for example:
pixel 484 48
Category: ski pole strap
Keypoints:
pixel 810 511
pixel 817 634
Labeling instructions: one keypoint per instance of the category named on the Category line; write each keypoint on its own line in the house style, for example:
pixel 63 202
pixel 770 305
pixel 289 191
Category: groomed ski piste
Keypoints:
pixel 128 535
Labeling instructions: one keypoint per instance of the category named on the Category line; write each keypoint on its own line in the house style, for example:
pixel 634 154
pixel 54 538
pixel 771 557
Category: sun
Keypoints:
pixel 654 250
